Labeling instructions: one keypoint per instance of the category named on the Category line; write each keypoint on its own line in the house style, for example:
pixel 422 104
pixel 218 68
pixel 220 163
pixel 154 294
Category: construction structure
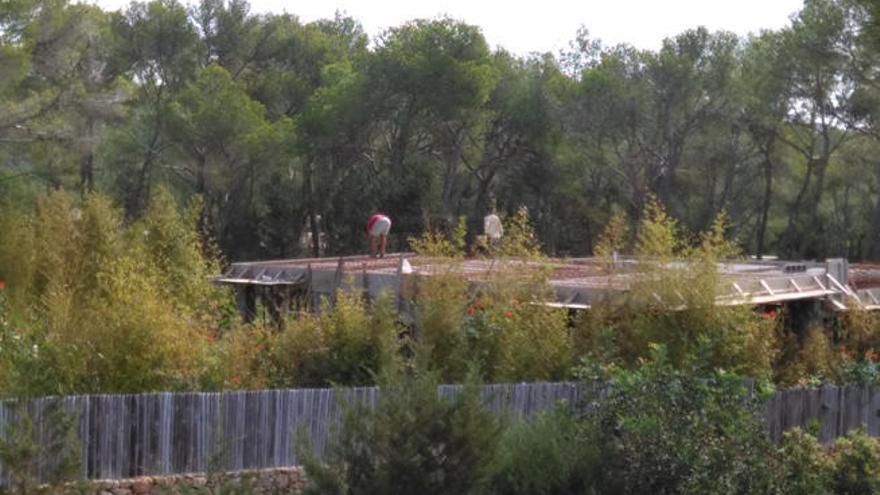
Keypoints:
pixel 830 286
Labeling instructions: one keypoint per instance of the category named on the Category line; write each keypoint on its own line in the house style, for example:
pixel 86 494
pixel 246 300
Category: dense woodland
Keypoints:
pixel 287 127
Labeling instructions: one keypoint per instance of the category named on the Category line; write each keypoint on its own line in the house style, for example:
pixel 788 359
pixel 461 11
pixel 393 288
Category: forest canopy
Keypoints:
pixel 285 127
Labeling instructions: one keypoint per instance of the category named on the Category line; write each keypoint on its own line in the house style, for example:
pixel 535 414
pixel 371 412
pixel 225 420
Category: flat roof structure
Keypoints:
pixel 576 282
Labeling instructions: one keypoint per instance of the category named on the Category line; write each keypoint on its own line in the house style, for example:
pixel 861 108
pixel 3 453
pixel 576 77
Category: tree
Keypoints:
pixel 430 81
pixel 160 55
pixel 818 91
pixel 226 157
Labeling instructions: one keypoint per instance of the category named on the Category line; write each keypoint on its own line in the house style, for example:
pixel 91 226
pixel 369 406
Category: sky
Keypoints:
pixel 523 27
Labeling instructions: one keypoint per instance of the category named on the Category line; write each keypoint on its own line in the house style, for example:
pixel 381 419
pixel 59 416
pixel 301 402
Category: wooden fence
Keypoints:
pixel 122 436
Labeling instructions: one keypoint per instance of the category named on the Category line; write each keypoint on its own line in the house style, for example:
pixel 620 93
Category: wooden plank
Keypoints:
pixel 812 408
pixel 873 413
pixel 829 414
pixel 794 409
pixel 771 417
pixel 854 408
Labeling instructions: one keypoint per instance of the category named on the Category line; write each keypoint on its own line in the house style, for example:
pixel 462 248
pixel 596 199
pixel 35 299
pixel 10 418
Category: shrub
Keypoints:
pixel 170 240
pixel 814 357
pixel 673 302
pixel 551 454
pixel 534 339
pixel 349 343
pixel 98 306
pixel 21 454
pixel 805 467
pixel 414 441
pixel 856 465
pixel 519 238
pixel 666 431
pixel 612 241
pixel 238 359
pixel 435 243
pixel 859 329
pixel 440 343
pixel 850 466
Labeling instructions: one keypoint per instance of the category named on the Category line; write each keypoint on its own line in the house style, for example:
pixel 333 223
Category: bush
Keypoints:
pixel 850 466
pixel 519 238
pixel 533 341
pixel 666 431
pixel 440 341
pixel 805 467
pixel 856 465
pixel 349 344
pixel 98 303
pixel 551 454
pixel 414 441
pixel 238 359
pixel 21 454
pixel 673 302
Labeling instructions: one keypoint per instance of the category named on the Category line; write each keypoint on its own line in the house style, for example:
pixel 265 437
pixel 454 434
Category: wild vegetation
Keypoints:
pixel 189 135
pixel 286 127
pixel 141 148
pixel 656 430
pixel 94 304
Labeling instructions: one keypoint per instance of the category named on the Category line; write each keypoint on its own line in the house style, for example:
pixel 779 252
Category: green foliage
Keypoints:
pixel 436 244
pixel 175 247
pixel 551 454
pixel 856 461
pixel 95 304
pixel 347 344
pixel 664 431
pixel 415 441
pixel 509 335
pixel 806 467
pixel 440 312
pixel 31 363
pixel 613 239
pixel 677 288
pixel 657 236
pixel 21 453
pixel 814 358
pixel 535 341
pixel 273 120
pixel 519 238
pixel 848 466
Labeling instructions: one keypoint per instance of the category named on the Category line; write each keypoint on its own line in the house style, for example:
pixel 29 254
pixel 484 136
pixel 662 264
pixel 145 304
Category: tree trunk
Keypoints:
pixel 87 173
pixel 309 196
pixel 87 161
pixel 765 203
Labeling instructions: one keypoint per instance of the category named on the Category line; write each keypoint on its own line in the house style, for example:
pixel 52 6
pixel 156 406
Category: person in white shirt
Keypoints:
pixel 492 228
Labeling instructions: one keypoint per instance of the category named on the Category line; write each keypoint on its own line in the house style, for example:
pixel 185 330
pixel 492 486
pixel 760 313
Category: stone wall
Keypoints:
pixel 256 482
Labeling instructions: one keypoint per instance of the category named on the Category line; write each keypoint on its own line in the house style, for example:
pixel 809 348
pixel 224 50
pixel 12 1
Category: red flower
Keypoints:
pixel 471 310
pixel 235 380
pixel 508 314
pixel 2 284
pixel 770 314
pixel 210 338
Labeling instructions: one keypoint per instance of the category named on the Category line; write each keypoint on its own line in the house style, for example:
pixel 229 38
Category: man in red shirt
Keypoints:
pixel 377 229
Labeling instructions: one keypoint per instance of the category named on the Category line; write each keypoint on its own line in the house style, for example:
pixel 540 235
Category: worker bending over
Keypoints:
pixel 377 229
